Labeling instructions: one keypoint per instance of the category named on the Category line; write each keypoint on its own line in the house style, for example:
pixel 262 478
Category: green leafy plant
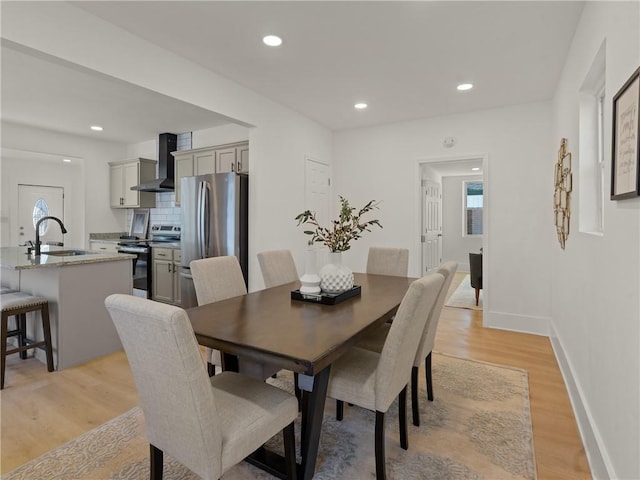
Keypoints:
pixel 342 231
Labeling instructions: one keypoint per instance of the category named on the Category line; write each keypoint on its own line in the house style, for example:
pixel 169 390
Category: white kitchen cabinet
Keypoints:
pixel 233 157
pixel 166 279
pixel 126 174
pixel 102 246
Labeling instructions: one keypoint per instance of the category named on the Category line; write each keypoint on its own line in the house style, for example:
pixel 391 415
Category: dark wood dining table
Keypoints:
pixel 268 327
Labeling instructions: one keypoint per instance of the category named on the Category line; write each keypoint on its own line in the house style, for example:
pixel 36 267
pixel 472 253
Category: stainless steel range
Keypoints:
pixel 161 236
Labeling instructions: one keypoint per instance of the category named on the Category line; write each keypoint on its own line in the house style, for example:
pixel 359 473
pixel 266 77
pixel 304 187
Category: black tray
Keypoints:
pixel 326 298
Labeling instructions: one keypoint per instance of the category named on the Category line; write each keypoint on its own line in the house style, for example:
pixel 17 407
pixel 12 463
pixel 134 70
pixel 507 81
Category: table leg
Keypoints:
pixel 313 411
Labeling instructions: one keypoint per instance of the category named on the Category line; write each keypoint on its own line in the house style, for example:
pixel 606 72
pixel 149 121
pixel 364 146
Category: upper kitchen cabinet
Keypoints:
pixel 232 157
pixel 129 173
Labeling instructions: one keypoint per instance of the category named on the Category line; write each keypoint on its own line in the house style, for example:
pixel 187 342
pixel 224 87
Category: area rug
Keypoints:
pixel 465 296
pixel 478 427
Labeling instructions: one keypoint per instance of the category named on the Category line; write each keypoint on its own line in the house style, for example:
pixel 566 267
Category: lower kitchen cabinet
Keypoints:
pixel 166 279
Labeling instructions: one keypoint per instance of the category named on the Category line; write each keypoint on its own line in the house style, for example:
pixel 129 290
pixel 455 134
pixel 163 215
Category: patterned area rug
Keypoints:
pixel 478 427
pixel 465 296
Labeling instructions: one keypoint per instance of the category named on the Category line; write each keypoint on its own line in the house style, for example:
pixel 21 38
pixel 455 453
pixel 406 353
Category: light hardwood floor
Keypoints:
pixel 40 410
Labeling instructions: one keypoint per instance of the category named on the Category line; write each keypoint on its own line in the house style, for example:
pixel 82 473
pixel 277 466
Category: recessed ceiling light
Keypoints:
pixel 97 128
pixel 272 40
pixel 360 106
pixel 475 169
pixel 465 86
pixel 66 160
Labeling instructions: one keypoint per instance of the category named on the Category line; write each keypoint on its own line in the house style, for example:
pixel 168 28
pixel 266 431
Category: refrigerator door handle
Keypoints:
pixel 207 219
pixel 200 223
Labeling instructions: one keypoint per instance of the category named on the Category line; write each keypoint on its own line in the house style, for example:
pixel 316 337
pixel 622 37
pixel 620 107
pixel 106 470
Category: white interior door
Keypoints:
pixel 317 190
pixel 431 225
pixel 34 202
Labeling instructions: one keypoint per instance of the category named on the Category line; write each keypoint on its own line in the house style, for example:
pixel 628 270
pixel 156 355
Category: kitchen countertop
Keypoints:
pixel 15 258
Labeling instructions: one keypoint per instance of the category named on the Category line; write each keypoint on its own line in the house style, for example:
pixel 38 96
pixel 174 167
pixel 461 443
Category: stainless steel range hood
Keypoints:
pixel 167 143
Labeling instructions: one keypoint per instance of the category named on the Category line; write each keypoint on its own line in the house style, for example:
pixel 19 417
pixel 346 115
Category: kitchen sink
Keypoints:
pixel 68 253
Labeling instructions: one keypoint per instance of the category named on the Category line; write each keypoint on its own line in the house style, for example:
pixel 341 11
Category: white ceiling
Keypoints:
pixel 402 58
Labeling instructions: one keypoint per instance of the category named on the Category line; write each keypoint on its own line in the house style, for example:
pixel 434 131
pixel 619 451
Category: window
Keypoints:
pixel 473 202
pixel 591 193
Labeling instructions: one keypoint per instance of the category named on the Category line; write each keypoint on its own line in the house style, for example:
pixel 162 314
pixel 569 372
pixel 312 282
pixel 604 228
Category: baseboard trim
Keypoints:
pixel 516 323
pixel 599 464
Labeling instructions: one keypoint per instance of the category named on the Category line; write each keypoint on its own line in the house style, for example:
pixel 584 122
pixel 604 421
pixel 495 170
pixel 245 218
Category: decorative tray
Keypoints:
pixel 326 298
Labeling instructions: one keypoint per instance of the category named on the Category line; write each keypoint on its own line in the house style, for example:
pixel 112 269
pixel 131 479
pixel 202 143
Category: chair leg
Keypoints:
pixel 21 321
pixel 155 457
pixel 290 451
pixel 477 296
pixel 296 390
pixel 414 396
pixel 211 369
pixel 427 367
pixel 339 410
pixel 381 469
pixel 3 347
pixel 402 418
pixel 46 327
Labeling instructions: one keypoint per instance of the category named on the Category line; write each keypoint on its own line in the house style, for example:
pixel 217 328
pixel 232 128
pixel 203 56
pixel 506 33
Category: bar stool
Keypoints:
pixel 18 304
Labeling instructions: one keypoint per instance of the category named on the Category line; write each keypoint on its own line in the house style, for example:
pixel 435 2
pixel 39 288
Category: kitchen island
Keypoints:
pixel 76 283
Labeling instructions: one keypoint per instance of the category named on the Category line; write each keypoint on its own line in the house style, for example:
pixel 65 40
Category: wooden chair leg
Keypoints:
pixel 402 418
pixel 290 451
pixel 21 323
pixel 381 469
pixel 339 410
pixel 155 457
pixel 46 327
pixel 414 396
pixel 477 296
pixel 3 347
pixel 427 367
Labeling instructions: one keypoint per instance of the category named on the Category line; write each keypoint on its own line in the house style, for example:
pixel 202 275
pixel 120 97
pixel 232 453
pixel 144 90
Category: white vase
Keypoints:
pixel 310 280
pixel 334 276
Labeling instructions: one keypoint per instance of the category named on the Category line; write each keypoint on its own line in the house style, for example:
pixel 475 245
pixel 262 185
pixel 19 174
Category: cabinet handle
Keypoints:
pixel 239 169
pixel 233 165
pixel 169 269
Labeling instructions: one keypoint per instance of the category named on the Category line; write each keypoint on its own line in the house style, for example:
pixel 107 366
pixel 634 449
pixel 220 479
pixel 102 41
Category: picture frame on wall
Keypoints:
pixel 625 140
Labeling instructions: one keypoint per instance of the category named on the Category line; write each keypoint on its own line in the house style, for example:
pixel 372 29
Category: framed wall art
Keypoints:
pixel 625 140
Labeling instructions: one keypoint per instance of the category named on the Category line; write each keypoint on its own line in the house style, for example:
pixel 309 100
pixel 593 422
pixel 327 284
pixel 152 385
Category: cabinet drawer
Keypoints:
pixel 98 246
pixel 163 253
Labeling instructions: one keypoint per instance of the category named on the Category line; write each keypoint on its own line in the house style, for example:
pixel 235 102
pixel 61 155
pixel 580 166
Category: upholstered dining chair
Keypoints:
pixel 388 261
pixel 376 340
pixel 475 273
pixel 206 424
pixel 374 380
pixel 215 279
pixel 278 267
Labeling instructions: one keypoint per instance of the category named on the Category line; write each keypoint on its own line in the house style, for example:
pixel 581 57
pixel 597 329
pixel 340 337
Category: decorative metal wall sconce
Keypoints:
pixel 562 195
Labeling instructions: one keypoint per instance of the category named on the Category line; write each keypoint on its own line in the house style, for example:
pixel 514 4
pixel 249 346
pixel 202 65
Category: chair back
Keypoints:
pixel 396 359
pixel 277 267
pixel 173 386
pixel 388 261
pixel 217 278
pixel 448 271
pixel 475 270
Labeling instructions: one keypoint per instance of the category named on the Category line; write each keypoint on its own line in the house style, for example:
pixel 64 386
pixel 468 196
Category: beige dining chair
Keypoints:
pixel 216 279
pixel 388 261
pixel 373 380
pixel 278 267
pixel 207 424
pixel 376 340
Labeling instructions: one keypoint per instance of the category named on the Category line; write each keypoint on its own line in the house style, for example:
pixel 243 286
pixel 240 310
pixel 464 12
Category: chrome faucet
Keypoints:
pixel 38 244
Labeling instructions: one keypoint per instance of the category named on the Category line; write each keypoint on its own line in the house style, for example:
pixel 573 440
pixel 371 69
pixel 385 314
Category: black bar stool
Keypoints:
pixel 18 304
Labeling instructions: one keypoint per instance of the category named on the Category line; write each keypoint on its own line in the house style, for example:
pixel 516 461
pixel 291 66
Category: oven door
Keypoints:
pixel 141 270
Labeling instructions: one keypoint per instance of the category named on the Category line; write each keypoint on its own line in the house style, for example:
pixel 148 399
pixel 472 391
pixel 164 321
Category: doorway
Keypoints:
pixel 452 243
pixel 35 202
pixel 317 186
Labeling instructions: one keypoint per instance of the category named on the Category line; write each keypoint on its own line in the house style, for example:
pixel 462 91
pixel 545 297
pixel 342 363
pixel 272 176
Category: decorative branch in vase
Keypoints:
pixel 335 277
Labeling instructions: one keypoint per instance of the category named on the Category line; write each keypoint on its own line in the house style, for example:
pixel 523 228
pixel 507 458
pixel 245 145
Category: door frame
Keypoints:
pixel 417 215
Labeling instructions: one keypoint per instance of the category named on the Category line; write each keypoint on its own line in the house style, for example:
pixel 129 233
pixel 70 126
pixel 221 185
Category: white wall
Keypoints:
pixel 595 281
pixel 279 139
pixel 87 204
pixel 455 245
pixel 382 163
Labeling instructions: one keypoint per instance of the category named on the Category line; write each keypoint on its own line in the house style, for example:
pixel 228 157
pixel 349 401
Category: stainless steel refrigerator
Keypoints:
pixel 214 223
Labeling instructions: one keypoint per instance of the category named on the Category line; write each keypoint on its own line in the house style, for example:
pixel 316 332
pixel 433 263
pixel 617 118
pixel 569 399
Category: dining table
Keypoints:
pixel 270 328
